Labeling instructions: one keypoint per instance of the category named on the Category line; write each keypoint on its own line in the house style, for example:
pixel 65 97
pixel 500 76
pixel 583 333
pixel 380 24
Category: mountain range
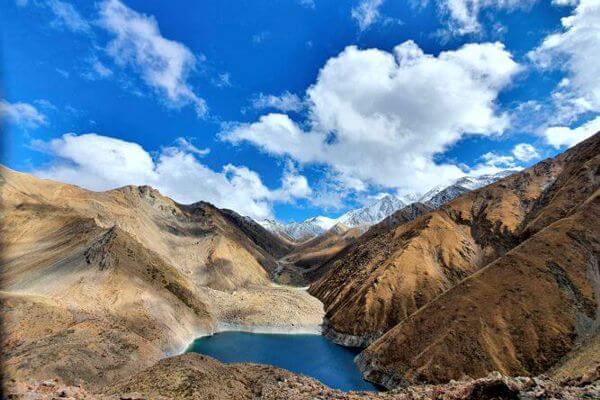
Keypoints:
pixel 491 294
pixel 381 208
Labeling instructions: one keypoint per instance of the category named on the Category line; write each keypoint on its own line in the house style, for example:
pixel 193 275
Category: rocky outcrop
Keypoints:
pixel 195 377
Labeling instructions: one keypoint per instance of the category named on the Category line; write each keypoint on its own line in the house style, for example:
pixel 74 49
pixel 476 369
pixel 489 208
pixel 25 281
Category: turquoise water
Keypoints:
pixel 311 355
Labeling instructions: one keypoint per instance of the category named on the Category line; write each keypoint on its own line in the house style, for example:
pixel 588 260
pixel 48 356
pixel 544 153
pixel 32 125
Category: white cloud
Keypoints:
pixel 573 50
pixel 67 16
pixel 22 114
pixel 525 152
pixel 380 118
pixel 293 185
pixel 464 15
pixel 101 69
pixel 563 136
pixel 366 13
pixel 163 64
pixel 492 163
pixel 99 162
pixel 286 102
pixel 187 145
pixel 46 104
pixel 96 69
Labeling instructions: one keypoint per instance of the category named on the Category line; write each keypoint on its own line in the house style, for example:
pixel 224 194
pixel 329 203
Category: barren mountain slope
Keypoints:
pixel 529 308
pixel 390 273
pixel 341 243
pixel 92 304
pixel 197 239
pixel 196 377
pixel 98 285
pixel 275 245
pixel 317 250
pixel 393 269
pixel 581 366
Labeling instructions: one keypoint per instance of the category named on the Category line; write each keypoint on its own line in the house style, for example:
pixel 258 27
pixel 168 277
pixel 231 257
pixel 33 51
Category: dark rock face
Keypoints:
pixel 270 242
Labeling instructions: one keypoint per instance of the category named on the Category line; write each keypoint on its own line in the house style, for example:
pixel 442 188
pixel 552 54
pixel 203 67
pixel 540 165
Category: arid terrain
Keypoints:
pixel 99 285
pixel 102 292
pixel 505 278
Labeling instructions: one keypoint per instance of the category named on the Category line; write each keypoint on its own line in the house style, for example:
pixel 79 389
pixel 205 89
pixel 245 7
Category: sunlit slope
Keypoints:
pixel 532 303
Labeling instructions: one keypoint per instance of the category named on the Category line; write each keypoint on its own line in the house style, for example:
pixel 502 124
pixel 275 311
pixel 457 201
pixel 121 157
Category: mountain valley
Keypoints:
pixel 464 290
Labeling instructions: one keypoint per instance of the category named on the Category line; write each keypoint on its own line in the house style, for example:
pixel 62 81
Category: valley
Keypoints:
pixel 469 287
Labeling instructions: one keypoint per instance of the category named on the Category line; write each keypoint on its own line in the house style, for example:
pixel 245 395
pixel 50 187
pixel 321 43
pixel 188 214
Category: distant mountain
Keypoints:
pixel 476 182
pixel 310 228
pixel 440 194
pixel 372 213
pixel 299 231
pixel 382 208
pixel 275 227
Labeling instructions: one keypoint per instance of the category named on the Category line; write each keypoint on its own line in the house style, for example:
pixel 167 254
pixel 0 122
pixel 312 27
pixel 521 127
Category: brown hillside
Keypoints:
pixel 528 308
pixel 309 255
pixel 98 285
pixel 197 239
pixel 390 273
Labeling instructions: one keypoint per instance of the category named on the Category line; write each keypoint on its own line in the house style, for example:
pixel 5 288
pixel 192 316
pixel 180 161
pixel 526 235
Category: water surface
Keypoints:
pixel 311 355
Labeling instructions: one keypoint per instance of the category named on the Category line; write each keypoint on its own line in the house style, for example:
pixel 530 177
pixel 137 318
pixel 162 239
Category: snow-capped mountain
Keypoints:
pixel 299 230
pixel 476 182
pixel 380 209
pixel 439 195
pixel 436 197
pixel 360 217
pixel 310 228
pixel 276 227
pixel 372 213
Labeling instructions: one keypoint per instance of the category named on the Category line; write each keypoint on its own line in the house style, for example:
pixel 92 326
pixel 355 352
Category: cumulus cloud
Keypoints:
pixel 380 118
pixel 99 162
pixel 463 15
pixel 22 114
pixel 293 185
pixel 525 152
pixel 570 50
pixel 563 136
pixel 68 17
pixel 286 102
pixel 366 13
pixel 163 64
pixel 493 162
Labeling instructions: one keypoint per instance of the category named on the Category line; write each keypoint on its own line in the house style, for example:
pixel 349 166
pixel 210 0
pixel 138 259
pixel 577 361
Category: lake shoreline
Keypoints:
pixel 308 354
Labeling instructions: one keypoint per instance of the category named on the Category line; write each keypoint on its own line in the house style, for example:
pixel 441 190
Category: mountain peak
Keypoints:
pixel 381 208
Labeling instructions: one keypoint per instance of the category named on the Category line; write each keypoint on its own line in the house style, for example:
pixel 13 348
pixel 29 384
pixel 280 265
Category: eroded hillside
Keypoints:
pixel 528 248
pixel 97 285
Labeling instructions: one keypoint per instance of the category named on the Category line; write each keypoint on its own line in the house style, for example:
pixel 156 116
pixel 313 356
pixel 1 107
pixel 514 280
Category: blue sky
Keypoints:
pixel 293 108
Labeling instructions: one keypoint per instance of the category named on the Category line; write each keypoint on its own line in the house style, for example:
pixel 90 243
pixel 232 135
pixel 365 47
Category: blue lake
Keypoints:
pixel 311 355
